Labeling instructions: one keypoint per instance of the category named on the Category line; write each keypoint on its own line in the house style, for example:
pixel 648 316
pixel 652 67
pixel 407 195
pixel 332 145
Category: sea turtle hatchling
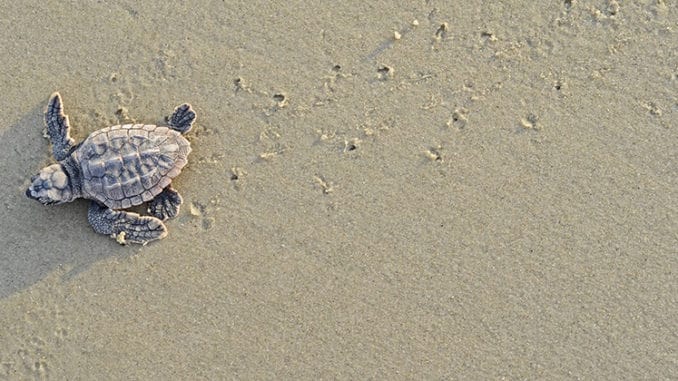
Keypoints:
pixel 117 167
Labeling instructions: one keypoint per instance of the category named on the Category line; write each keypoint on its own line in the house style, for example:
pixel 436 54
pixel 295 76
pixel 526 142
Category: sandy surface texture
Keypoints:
pixel 377 190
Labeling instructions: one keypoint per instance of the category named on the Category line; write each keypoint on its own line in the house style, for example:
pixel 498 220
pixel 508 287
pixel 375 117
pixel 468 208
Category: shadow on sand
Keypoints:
pixel 36 240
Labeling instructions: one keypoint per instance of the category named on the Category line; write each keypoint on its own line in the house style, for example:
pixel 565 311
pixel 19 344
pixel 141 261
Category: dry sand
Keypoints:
pixel 437 190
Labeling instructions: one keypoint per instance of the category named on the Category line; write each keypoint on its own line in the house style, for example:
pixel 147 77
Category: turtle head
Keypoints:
pixel 50 186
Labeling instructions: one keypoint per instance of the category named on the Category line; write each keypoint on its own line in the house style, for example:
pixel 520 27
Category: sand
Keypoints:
pixel 435 190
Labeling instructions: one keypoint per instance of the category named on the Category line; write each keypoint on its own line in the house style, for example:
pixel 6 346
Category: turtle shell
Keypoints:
pixel 127 165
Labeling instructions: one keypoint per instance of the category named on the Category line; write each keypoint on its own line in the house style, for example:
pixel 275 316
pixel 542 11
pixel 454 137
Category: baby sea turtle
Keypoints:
pixel 117 167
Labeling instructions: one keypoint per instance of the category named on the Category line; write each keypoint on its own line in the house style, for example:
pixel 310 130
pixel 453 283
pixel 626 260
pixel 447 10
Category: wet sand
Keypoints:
pixel 422 191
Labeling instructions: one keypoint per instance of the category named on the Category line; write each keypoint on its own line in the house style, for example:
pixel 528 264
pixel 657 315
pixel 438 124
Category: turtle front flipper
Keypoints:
pixel 166 204
pixel 125 226
pixel 58 128
pixel 182 118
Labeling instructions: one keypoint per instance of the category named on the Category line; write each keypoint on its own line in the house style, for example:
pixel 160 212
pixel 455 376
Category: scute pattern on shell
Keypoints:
pixel 127 165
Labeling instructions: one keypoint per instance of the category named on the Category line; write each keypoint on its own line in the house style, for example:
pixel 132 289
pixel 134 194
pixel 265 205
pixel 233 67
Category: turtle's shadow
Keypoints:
pixel 36 240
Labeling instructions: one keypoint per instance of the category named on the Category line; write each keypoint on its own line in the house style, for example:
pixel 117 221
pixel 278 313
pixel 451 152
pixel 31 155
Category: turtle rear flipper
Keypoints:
pixel 182 118
pixel 166 204
pixel 125 226
pixel 58 128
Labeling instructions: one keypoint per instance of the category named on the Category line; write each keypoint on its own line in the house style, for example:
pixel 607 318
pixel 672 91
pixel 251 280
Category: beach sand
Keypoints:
pixel 437 190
